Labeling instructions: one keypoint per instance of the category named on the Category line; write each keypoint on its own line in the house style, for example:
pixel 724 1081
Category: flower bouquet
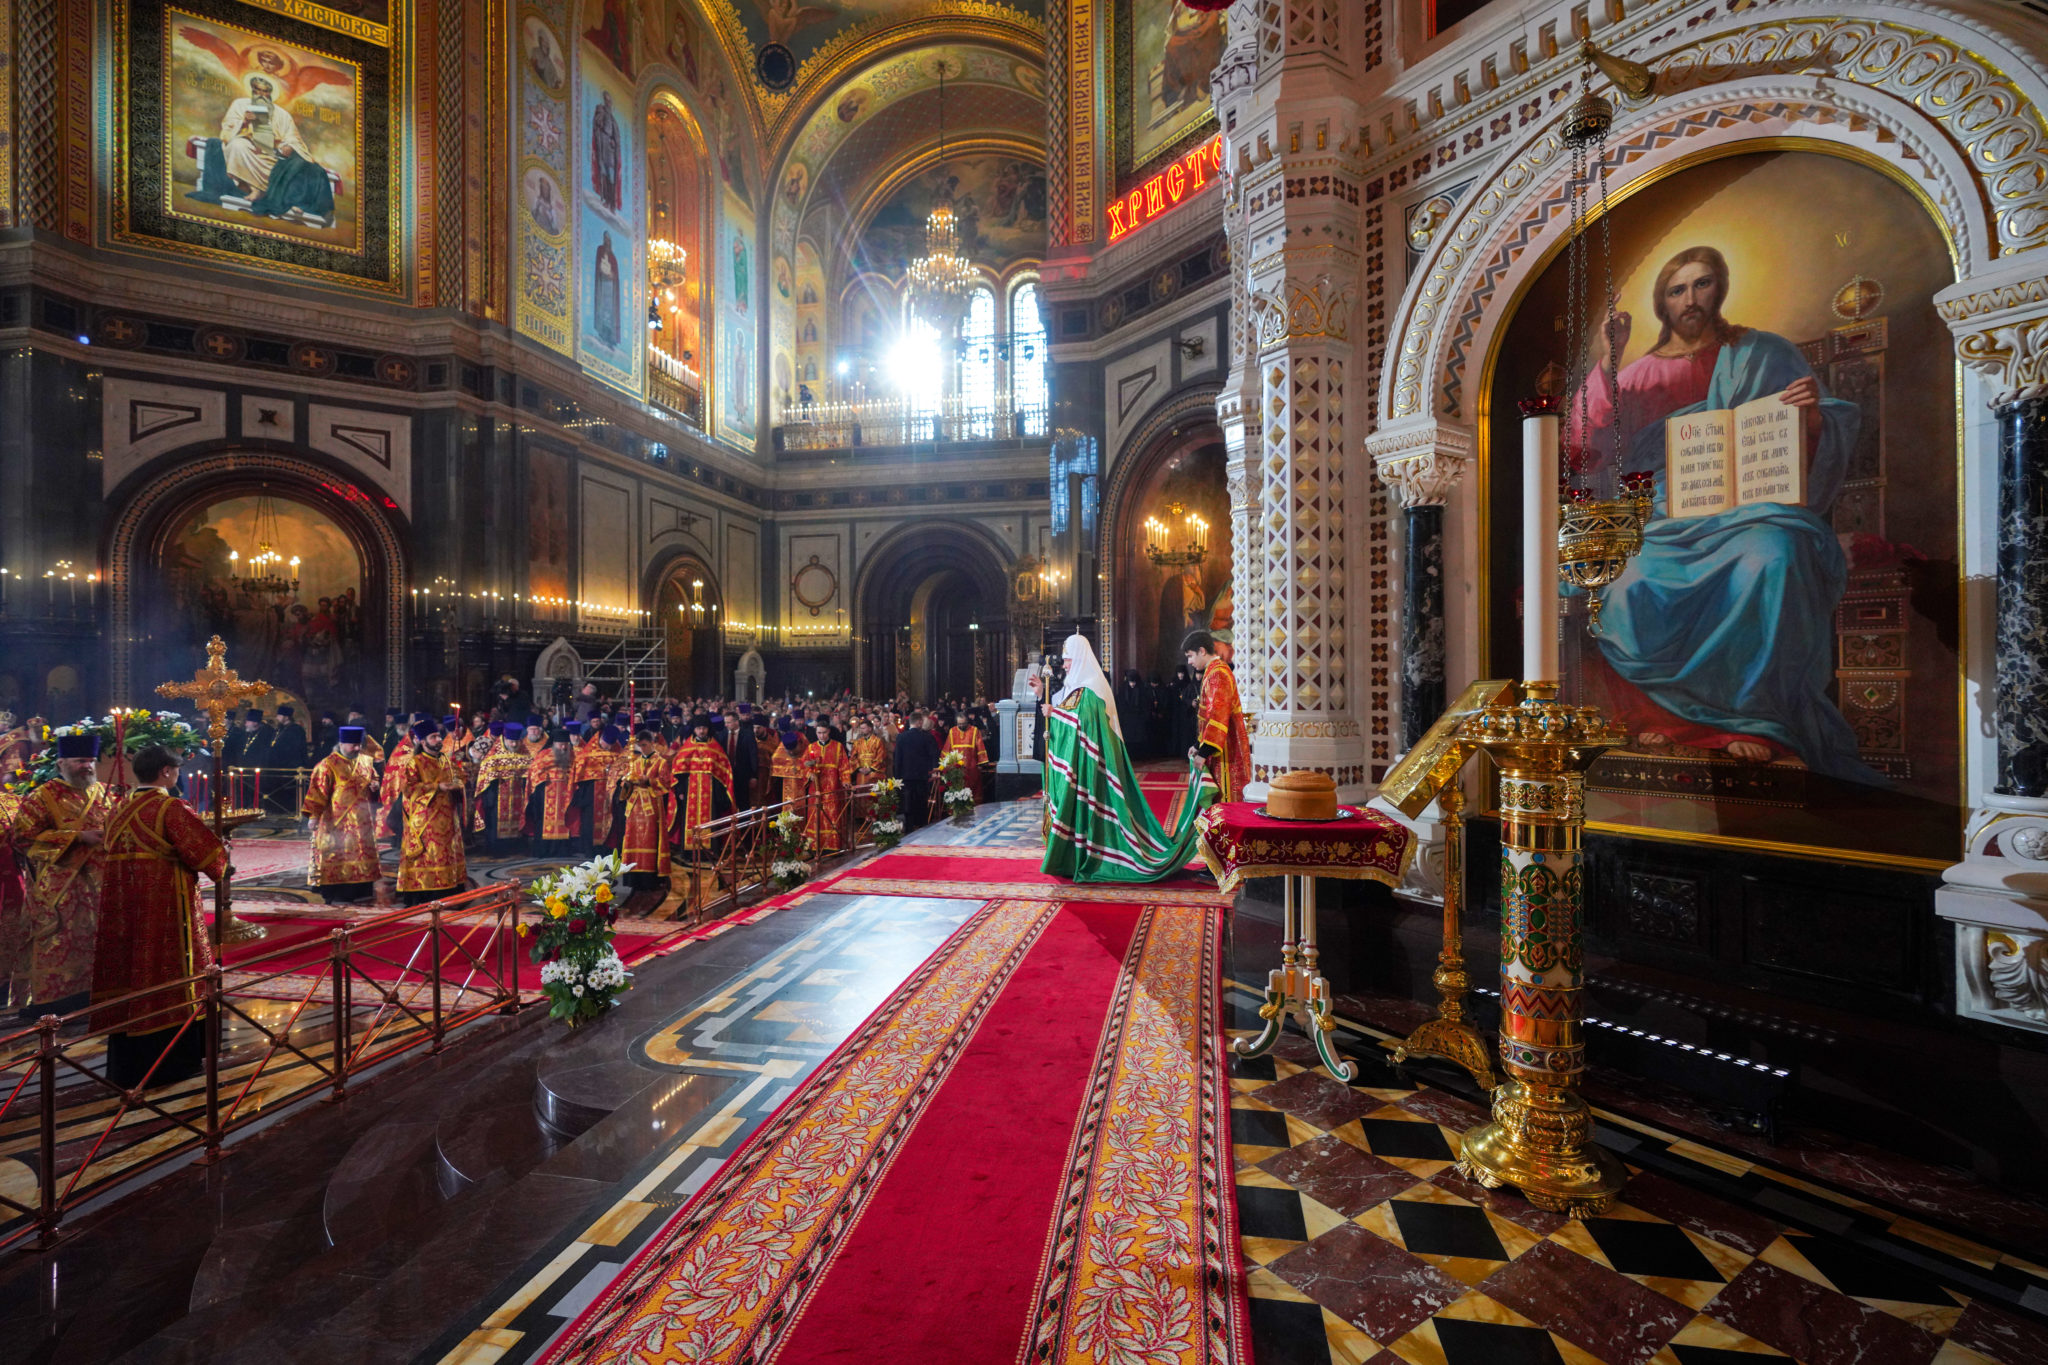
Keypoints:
pixel 134 730
pixel 958 797
pixel 788 869
pixel 579 969
pixel 888 824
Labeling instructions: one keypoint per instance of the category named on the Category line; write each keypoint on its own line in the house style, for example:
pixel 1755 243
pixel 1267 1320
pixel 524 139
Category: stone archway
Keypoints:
pixel 931 604
pixel 689 606
pixel 158 507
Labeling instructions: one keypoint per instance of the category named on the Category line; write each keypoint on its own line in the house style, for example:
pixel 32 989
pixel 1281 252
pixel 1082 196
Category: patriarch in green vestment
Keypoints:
pixel 1098 826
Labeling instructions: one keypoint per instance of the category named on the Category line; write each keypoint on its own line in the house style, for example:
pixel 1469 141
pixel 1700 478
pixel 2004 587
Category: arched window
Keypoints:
pixel 1029 395
pixel 978 362
pixel 916 366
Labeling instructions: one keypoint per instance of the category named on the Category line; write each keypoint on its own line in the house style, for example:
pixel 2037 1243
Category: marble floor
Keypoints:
pixel 464 1209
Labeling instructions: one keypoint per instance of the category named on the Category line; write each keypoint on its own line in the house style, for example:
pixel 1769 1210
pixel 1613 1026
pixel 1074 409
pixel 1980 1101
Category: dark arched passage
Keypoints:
pixel 933 614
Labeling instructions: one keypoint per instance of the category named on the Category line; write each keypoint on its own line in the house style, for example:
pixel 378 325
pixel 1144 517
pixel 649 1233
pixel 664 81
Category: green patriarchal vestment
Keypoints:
pixel 1098 827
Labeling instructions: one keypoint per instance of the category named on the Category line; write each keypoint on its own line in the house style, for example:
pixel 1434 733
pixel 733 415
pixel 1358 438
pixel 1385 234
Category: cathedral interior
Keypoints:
pixel 610 361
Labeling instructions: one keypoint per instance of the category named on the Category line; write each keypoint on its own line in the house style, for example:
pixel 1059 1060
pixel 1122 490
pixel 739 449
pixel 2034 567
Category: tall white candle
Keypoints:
pixel 1539 547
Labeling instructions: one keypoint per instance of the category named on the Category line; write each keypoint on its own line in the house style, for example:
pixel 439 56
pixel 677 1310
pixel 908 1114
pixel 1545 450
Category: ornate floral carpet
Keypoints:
pixel 1028 1142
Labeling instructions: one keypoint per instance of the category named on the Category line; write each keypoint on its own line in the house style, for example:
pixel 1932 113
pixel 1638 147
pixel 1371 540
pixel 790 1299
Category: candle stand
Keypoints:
pixel 1540 1138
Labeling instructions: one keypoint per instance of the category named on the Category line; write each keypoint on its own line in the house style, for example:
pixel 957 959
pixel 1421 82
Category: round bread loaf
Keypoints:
pixel 1302 796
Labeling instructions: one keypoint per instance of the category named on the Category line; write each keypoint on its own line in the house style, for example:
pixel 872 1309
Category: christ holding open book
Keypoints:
pixel 1719 635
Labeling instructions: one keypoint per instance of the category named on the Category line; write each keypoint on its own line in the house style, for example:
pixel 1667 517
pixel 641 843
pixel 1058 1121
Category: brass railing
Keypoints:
pixel 267 1044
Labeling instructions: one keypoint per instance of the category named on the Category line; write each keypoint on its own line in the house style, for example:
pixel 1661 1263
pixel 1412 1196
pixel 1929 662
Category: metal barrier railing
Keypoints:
pixel 398 981
pixel 744 845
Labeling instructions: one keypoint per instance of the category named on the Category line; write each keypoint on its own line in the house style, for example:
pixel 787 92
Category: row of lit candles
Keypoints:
pixel 1158 535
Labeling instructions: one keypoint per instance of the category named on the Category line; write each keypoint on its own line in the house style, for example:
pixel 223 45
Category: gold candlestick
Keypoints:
pixel 1541 1136
pixel 217 690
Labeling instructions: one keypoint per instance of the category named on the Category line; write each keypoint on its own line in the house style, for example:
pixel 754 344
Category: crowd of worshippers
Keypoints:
pixel 99 893
pixel 636 778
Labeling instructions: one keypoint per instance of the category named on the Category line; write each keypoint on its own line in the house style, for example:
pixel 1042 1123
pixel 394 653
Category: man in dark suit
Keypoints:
pixel 917 753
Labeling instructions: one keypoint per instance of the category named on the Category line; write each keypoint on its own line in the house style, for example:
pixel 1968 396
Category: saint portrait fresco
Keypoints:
pixel 1783 650
pixel 1167 52
pixel 263 135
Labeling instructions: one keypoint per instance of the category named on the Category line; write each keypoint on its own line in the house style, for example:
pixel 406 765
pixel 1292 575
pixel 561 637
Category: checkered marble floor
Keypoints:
pixel 1365 1245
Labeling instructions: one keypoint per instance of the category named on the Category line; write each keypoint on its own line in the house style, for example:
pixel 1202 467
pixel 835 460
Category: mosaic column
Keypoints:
pixel 1237 404
pixel 1422 462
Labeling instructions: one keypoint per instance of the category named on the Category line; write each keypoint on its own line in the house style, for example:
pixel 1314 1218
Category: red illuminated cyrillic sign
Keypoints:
pixel 1166 189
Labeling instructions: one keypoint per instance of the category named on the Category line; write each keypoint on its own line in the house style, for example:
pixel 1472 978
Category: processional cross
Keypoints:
pixel 217 689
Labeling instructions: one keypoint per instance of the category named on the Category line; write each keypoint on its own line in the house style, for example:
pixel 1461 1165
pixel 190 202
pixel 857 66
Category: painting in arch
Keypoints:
pixel 1786 667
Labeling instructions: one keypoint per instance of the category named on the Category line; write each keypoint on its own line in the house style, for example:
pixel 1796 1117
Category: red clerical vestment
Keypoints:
pixel 152 930
pixel 501 779
pixel 430 858
pixel 870 759
pixel 966 741
pixel 341 797
pixel 650 809
pixel 392 795
pixel 786 769
pixel 700 767
pixel 827 769
pixel 64 884
pixel 557 795
pixel 1220 731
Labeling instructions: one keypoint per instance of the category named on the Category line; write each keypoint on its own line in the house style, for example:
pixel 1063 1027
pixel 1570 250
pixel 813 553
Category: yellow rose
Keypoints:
pixel 604 894
pixel 557 908
pixel 522 928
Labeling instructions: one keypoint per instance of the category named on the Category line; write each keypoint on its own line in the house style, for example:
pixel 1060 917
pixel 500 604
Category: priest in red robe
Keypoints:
pixel 650 810
pixel 1221 739
pixel 700 768
pixel 431 862
pixel 59 831
pixel 152 931
pixel 828 768
pixel 551 774
pixel 501 789
pixel 966 741
pixel 341 803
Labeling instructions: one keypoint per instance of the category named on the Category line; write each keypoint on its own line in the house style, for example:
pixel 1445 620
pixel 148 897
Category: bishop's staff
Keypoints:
pixel 217 689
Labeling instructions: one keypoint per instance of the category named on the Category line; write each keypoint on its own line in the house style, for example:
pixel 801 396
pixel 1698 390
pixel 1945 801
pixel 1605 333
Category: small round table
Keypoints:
pixel 1239 840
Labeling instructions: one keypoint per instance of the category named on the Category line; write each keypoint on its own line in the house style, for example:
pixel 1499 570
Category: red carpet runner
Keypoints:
pixel 1022 1156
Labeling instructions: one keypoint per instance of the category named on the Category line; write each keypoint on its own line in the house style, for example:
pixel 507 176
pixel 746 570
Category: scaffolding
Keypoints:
pixel 640 660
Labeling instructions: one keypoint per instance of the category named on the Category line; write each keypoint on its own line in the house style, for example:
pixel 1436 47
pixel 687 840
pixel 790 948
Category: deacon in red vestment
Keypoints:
pixel 552 776
pixel 59 831
pixel 650 810
pixel 501 790
pixel 391 811
pixel 431 863
pixel 341 802
pixel 152 931
pixel 785 768
pixel 1220 735
pixel 701 766
pixel 828 767
pixel 966 741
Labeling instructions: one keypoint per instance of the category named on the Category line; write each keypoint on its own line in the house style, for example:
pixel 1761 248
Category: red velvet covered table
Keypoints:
pixel 1237 841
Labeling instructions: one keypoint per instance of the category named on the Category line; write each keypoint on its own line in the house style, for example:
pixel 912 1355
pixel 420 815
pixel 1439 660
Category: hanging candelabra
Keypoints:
pixel 1174 549
pixel 938 281
pixel 265 570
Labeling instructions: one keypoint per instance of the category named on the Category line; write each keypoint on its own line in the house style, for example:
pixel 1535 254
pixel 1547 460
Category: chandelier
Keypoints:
pixel 1193 544
pixel 939 280
pixel 264 570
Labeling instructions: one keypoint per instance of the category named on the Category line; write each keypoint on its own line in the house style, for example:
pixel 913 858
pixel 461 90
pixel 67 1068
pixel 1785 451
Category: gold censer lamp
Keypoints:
pixel 1597 537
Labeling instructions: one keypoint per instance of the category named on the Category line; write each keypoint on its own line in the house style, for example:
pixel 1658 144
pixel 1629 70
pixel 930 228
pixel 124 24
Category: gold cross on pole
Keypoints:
pixel 215 689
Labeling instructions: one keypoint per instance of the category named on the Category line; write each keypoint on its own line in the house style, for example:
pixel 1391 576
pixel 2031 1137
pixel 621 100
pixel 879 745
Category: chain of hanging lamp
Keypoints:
pixel 940 279
pixel 1596 536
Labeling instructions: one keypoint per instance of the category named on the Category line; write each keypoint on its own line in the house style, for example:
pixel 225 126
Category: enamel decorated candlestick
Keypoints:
pixel 1540 1138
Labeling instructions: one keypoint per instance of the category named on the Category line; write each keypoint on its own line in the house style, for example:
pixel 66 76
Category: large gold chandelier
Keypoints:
pixel 939 280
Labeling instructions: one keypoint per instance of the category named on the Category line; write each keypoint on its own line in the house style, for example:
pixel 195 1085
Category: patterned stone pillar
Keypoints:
pixel 1422 462
pixel 2000 322
pixel 2001 327
pixel 1237 405
pixel 1059 202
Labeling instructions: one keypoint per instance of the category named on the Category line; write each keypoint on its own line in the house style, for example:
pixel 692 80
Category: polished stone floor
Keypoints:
pixel 465 1208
